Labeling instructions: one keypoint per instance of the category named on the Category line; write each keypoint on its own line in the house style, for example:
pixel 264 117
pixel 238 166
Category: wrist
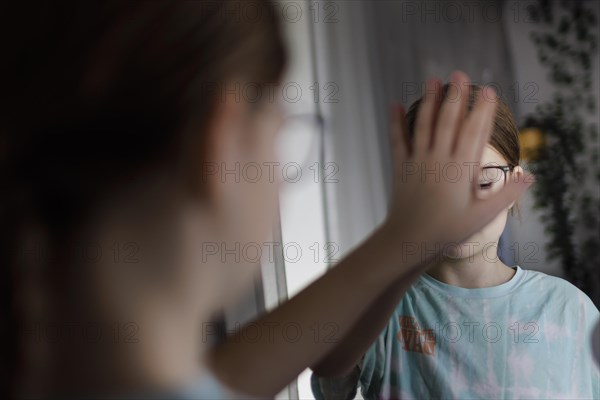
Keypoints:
pixel 403 242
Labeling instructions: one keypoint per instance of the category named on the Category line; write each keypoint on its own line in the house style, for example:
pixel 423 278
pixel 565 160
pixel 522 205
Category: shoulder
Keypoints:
pixel 556 290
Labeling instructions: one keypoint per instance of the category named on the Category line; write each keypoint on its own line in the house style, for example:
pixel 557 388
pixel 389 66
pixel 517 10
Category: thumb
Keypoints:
pixel 484 211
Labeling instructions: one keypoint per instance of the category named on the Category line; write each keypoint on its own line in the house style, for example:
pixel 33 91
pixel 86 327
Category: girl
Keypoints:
pixel 473 327
pixel 120 124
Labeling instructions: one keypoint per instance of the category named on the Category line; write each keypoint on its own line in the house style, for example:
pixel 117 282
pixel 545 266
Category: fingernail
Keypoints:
pixel 530 178
pixel 456 76
pixel 490 93
pixel 429 85
pixel 526 180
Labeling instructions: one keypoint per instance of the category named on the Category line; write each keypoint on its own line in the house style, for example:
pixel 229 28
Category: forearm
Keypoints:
pixel 365 331
pixel 296 335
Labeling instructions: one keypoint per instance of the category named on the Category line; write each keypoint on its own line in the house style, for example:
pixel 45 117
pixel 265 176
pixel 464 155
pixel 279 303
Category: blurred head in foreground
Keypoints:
pixel 123 122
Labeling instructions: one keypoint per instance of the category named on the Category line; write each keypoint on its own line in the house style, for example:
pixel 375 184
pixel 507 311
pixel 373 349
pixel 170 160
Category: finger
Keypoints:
pixel 484 211
pixel 398 134
pixel 452 114
pixel 426 117
pixel 478 126
pixel 490 99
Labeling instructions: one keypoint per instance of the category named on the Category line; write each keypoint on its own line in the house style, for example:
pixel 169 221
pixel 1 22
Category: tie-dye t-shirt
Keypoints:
pixel 529 338
pixel 208 387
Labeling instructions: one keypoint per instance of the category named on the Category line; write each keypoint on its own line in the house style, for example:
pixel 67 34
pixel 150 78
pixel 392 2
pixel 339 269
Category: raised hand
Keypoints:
pixel 434 200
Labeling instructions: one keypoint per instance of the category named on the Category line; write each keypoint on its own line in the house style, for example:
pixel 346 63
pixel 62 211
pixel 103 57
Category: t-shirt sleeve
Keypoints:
pixel 589 317
pixel 338 388
pixel 573 366
pixel 368 374
pixel 372 367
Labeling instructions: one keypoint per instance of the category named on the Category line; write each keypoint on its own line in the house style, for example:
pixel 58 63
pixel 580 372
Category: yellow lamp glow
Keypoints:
pixel 531 141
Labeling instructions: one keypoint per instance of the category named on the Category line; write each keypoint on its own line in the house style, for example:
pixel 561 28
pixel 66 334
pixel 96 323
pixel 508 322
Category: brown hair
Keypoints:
pixel 97 94
pixel 505 135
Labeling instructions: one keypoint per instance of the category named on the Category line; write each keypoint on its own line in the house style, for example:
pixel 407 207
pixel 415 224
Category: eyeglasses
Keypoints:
pixel 492 179
pixel 299 139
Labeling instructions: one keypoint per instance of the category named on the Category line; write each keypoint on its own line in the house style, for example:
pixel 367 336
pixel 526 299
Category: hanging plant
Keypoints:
pixel 566 43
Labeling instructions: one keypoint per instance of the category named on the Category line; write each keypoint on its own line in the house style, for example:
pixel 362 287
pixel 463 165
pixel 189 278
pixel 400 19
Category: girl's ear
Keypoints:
pixel 516 174
pixel 224 140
